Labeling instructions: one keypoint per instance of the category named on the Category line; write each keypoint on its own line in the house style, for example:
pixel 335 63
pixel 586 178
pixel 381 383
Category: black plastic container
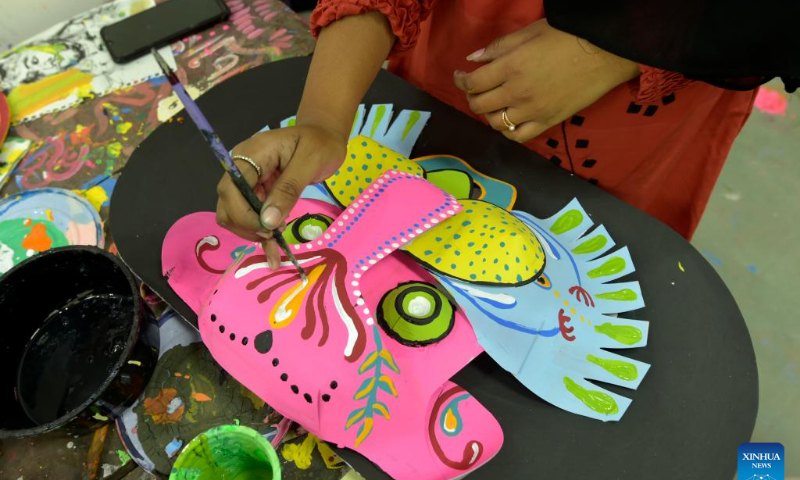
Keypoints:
pixel 77 346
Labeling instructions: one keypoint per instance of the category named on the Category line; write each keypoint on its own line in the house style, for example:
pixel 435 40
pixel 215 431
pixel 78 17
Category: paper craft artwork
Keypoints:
pixel 69 62
pixel 539 295
pixel 537 292
pixel 38 220
pixel 361 353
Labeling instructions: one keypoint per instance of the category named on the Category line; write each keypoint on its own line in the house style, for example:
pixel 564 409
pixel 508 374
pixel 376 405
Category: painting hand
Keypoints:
pixel 290 159
pixel 539 76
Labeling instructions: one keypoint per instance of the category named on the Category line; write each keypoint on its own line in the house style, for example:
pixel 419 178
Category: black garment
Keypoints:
pixel 735 44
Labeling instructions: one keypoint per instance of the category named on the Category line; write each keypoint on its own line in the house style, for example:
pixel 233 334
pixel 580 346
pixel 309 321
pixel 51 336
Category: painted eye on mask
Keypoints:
pixel 416 314
pixel 306 228
pixel 544 281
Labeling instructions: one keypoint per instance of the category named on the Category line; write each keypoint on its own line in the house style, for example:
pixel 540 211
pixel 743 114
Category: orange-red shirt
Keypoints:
pixel 658 142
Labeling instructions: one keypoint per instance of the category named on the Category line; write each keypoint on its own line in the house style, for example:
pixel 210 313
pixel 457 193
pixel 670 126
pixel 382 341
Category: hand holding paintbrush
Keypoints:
pixel 222 155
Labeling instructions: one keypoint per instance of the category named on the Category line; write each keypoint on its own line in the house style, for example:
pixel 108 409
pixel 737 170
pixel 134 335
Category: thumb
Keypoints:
pixel 284 194
pixel 502 45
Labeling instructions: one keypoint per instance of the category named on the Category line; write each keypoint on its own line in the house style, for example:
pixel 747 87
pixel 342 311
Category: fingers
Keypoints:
pixel 523 131
pixel 481 80
pixel 488 102
pixel 273 253
pixel 502 45
pixel 233 211
pixel 225 222
pixel 287 189
pixel 265 149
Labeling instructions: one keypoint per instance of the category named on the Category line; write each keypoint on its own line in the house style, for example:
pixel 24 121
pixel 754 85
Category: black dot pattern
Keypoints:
pixel 244 340
pixel 634 108
pixel 307 397
pixel 326 397
pixel 275 362
pixel 552 142
pixel 577 120
pixel 222 329
pixel 295 389
pixel 555 160
pixel 589 163
pixel 213 318
pixel 284 377
pixel 581 143
pixel 232 336
pixel 668 99
pixel 334 385
pixel 650 110
pixel 593 181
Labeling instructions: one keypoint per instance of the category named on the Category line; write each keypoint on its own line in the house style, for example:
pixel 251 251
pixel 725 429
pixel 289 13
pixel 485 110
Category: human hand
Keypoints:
pixel 290 159
pixel 539 76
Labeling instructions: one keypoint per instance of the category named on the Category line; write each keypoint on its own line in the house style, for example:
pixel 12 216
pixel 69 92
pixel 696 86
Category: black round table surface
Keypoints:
pixel 700 397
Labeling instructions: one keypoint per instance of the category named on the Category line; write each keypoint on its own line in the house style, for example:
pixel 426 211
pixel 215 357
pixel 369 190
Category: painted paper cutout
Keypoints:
pixel 398 134
pixel 366 160
pixel 38 220
pixel 317 351
pixel 482 244
pixel 69 62
pixel 551 334
pixel 469 247
pixel 490 189
pixel 581 276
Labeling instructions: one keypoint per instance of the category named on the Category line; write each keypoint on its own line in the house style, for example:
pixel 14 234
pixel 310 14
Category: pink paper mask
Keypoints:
pixel 361 353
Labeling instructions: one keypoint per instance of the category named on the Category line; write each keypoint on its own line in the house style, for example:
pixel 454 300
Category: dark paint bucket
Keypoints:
pixel 78 344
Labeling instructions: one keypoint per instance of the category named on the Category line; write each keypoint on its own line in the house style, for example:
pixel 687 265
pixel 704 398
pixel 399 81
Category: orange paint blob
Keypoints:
pixel 37 240
pixel 201 397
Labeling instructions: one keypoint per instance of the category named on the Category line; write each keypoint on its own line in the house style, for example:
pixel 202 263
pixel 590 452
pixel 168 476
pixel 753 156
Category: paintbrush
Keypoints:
pixel 221 153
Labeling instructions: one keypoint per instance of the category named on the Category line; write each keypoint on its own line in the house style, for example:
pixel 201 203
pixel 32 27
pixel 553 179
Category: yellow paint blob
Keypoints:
pixel 96 195
pixel 124 127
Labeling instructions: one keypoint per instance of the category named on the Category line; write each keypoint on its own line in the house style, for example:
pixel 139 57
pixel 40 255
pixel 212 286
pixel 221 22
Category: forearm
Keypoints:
pixel 347 58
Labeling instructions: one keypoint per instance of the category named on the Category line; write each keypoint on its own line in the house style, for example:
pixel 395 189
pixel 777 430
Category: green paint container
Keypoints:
pixel 228 452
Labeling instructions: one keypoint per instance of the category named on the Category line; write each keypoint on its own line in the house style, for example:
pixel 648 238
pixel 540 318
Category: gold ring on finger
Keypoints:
pixel 249 160
pixel 511 126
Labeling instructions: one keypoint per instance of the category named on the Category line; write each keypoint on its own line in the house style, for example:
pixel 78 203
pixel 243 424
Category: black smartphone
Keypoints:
pixel 160 25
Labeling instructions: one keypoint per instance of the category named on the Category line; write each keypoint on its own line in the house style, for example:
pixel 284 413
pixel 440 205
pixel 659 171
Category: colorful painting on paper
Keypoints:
pixel 68 63
pixel 38 220
pixel 353 352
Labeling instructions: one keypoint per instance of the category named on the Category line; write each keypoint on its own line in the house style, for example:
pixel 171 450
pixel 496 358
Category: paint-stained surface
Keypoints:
pixel 88 145
pixel 750 235
pixel 84 148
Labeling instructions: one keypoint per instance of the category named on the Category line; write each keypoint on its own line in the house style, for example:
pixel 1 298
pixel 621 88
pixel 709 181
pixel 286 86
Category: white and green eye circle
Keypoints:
pixel 306 228
pixel 416 314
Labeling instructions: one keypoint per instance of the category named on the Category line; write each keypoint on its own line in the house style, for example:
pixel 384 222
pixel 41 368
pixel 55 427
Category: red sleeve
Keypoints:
pixel 655 84
pixel 405 16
